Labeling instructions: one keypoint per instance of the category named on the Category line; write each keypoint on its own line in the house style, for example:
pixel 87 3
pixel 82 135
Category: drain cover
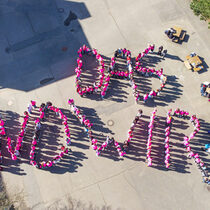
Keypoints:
pixel 64 49
pixel 110 122
pixel 44 81
pixel 10 102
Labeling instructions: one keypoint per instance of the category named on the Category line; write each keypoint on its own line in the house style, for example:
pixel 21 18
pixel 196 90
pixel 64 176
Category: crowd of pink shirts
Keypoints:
pixel 129 74
pixel 104 80
pixel 16 151
pixel 35 140
pixel 196 124
pixel 78 70
pixel 88 128
pixel 94 142
pixel 149 72
pixel 2 133
pixel 149 140
pixel 181 113
pixel 167 135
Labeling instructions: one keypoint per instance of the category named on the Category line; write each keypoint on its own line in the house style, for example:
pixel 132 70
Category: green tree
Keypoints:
pixel 202 8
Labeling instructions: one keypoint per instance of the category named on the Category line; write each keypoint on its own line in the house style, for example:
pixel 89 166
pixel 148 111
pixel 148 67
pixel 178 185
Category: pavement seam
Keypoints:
pixel 102 194
pixel 82 188
pixel 107 5
pixel 129 183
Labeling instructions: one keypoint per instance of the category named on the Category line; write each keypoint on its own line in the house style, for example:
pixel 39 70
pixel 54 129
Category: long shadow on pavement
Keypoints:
pixel 137 150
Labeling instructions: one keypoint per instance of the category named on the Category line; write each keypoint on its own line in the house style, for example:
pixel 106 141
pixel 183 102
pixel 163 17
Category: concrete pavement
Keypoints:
pixel 31 51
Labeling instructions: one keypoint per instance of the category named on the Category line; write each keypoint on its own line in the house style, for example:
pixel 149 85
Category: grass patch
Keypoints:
pixel 201 8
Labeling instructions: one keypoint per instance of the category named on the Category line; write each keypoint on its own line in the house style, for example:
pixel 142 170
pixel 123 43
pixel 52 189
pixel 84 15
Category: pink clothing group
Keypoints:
pixel 94 142
pixel 16 152
pixel 88 126
pixel 78 70
pixel 191 154
pixel 63 151
pixel 149 140
pixel 104 80
pixel 167 135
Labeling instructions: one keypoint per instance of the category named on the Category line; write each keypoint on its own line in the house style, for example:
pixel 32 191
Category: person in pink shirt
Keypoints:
pixel 149 162
pixel 1 123
pixel 94 147
pixel 49 163
pixel 145 97
pixel 102 94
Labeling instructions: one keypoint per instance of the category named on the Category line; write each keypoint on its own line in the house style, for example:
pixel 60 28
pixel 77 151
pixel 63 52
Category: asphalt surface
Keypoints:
pixel 38 50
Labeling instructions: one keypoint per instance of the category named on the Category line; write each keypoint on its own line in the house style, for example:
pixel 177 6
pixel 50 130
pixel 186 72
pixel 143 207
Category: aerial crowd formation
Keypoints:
pixel 105 77
pixel 102 86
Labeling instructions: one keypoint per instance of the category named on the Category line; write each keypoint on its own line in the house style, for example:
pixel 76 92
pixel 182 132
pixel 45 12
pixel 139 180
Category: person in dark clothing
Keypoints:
pixel 164 53
pixel 160 49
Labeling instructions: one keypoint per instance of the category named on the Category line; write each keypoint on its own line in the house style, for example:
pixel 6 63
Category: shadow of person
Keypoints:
pixel 150 60
pixel 173 57
pixel 170 93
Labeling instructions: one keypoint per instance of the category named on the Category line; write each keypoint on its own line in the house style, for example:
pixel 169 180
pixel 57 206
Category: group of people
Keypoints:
pixel 78 70
pixel 16 151
pixel 119 74
pixel 64 150
pixel 162 52
pixel 156 73
pixel 122 52
pixel 167 135
pixel 181 113
pixel 88 129
pixel 136 93
pixel 148 72
pixel 2 128
pixel 149 140
pixel 113 72
pixel 196 124
pixel 109 141
pixel 126 143
pixel 104 80
pixel 2 133
pixel 122 149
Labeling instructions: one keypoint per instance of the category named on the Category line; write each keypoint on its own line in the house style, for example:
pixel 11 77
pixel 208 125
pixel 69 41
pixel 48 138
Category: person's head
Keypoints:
pixel 140 111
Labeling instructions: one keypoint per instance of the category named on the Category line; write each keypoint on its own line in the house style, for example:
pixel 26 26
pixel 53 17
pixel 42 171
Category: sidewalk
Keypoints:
pixel 35 66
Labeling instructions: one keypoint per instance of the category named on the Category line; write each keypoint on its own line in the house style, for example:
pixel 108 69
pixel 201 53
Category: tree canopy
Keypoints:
pixel 202 8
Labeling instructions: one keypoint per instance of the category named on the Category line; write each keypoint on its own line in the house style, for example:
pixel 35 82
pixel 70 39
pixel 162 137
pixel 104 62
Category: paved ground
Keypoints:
pixel 35 65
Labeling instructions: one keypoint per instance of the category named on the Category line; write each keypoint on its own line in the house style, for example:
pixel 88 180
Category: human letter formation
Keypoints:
pixel 14 146
pixel 104 79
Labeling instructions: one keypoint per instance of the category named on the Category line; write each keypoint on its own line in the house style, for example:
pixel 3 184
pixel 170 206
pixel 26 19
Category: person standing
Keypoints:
pixel 164 53
pixel 160 49
pixel 152 47
pixel 30 108
pixel 33 104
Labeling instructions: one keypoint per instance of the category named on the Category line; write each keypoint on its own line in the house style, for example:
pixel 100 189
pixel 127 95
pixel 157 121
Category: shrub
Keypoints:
pixel 202 8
